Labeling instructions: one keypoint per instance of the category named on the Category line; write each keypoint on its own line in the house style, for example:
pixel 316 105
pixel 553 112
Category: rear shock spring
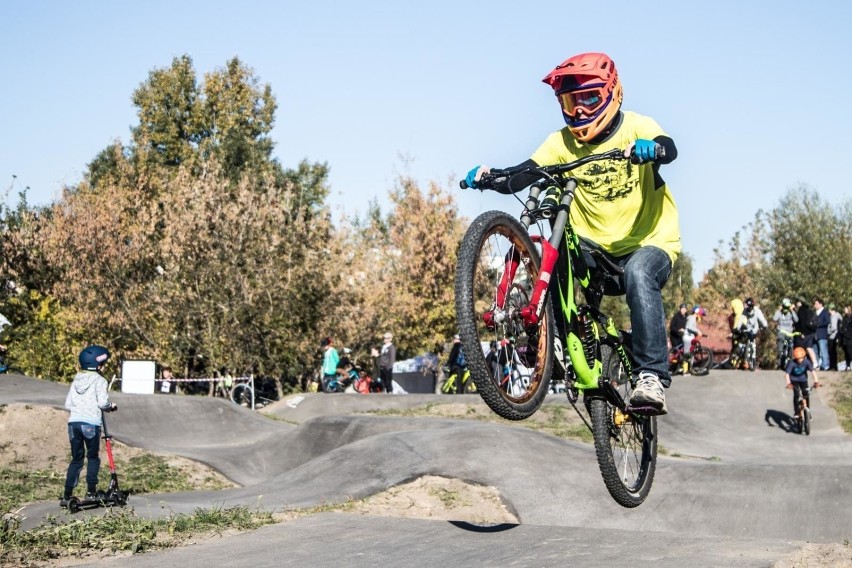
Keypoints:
pixel 587 335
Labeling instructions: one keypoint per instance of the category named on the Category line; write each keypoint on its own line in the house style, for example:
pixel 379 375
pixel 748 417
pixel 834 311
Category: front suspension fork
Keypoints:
pixel 531 313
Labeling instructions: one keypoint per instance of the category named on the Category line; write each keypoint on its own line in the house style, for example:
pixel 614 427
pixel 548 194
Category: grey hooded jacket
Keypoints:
pixel 87 397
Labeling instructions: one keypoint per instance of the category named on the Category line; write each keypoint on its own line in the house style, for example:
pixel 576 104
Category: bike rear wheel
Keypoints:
pixel 625 444
pixel 702 361
pixel 491 239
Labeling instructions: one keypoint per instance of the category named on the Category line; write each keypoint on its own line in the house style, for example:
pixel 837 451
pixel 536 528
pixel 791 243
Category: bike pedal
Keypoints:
pixel 646 410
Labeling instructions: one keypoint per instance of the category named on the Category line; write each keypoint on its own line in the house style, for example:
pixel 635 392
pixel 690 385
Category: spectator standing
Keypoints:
pixel 166 379
pixel 833 336
pixel 330 359
pixel 806 326
pixel 846 335
pixel 677 326
pixel 454 361
pixel 387 358
pixel 785 319
pixel 821 334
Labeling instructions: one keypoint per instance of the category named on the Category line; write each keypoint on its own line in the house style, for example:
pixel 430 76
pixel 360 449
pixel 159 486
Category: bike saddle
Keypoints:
pixel 602 260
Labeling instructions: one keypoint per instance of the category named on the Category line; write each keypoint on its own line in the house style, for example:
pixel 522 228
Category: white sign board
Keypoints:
pixel 138 377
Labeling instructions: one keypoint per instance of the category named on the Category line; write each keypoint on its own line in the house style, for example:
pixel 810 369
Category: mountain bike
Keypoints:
pixel 453 385
pixel 785 353
pixel 698 361
pixel 512 282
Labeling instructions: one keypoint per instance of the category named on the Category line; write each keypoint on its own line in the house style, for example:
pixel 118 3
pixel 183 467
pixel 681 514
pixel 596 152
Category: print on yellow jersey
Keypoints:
pixel 608 180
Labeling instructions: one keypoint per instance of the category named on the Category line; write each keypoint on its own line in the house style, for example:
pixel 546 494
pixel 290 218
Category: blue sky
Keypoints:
pixel 753 93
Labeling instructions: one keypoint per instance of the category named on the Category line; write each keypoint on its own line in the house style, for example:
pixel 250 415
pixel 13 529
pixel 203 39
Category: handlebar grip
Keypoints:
pixel 659 150
pixel 463 184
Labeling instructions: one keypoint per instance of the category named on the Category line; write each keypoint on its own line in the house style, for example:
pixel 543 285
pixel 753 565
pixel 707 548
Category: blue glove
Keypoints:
pixel 471 178
pixel 644 150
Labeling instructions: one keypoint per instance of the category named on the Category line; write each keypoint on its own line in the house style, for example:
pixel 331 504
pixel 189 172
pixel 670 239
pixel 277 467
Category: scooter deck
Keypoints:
pixel 76 504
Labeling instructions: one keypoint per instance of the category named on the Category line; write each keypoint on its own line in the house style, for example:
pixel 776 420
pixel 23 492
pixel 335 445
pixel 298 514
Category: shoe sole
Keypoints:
pixel 646 410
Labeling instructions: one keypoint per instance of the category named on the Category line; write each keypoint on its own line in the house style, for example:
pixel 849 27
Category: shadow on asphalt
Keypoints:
pixel 781 420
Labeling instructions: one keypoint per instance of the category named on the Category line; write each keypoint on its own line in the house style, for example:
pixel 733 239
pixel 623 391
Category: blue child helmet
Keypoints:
pixel 93 357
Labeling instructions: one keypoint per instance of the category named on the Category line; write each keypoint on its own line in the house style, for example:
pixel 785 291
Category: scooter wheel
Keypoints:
pixel 119 498
pixel 73 504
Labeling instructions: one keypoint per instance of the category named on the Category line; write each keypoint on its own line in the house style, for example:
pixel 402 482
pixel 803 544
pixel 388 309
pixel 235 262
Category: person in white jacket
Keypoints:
pixel 87 399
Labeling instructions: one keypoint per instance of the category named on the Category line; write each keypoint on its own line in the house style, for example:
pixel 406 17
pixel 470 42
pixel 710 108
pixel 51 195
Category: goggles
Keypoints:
pixel 589 100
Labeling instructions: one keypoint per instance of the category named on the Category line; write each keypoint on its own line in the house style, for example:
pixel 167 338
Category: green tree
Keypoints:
pixel 171 123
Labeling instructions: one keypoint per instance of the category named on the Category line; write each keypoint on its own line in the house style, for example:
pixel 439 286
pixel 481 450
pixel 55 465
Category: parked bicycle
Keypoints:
pixel 455 385
pixel 697 362
pixel 253 392
pixel 510 282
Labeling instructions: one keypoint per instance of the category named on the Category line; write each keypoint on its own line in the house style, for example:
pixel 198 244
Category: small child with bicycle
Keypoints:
pixel 796 374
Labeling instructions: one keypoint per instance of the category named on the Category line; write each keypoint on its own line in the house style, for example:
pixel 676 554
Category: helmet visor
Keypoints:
pixel 589 100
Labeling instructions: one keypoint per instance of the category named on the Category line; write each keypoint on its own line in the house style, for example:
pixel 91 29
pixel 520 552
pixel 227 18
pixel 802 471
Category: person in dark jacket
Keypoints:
pixel 845 335
pixel 677 326
pixel 823 319
pixel 806 326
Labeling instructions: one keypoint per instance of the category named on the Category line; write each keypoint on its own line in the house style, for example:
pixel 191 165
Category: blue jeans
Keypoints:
pixel 646 271
pixel 85 442
pixel 822 350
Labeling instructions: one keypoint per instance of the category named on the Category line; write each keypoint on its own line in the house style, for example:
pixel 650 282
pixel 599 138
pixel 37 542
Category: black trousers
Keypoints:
pixel 386 374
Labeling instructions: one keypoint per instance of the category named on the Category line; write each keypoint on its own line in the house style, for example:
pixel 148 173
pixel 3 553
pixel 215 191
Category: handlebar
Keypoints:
pixel 502 176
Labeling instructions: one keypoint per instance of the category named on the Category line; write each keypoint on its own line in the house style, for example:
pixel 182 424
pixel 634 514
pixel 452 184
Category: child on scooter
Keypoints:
pixel 86 399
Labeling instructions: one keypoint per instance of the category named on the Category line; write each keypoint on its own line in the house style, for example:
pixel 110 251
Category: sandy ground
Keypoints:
pixel 35 438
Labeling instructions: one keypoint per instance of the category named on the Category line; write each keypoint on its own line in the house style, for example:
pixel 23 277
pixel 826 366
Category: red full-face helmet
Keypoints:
pixel 589 92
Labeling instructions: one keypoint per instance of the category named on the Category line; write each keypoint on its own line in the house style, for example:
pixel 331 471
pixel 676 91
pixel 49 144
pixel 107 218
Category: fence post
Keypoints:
pixel 252 390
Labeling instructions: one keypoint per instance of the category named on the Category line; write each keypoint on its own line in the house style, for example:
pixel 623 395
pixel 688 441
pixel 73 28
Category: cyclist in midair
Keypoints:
pixel 626 212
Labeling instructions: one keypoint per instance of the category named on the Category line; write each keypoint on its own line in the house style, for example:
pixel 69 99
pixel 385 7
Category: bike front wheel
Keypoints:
pixel 242 394
pixel 498 267
pixel 751 357
pixel 625 444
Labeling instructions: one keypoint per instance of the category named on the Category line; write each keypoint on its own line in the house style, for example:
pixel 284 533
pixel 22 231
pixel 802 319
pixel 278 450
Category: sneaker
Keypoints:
pixel 648 396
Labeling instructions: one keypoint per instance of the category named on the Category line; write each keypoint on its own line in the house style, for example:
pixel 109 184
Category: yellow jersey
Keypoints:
pixel 618 205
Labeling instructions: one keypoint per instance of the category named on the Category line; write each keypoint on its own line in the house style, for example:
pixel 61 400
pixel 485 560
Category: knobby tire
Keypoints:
pixel 490 237
pixel 702 361
pixel 625 445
